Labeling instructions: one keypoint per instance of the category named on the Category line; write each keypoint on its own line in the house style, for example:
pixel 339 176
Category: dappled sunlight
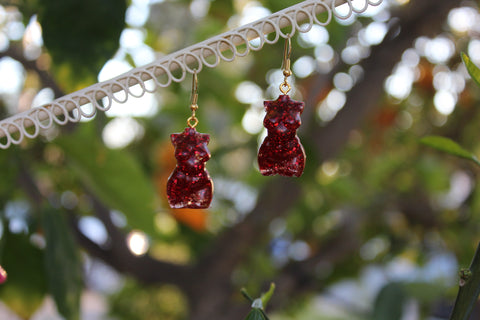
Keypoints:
pixel 12 77
pixel 438 50
pixel 334 102
pixel 304 66
pixel 121 131
pixel 199 8
pixel 138 242
pixel 249 93
pixel 94 229
pixel 373 34
pixel 461 186
pixel 146 106
pixel 376 212
pixel 463 20
pixel 137 13
pixel 32 39
pixel 343 81
pixel 317 36
pixel 444 102
pixel 399 84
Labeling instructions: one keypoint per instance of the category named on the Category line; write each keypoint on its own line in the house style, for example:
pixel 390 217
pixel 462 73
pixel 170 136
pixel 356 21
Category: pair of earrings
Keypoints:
pixel 190 185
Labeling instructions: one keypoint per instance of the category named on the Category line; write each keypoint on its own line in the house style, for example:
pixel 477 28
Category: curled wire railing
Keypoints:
pixel 147 79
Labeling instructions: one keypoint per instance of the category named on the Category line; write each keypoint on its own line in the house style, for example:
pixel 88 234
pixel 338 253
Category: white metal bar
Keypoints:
pixel 193 57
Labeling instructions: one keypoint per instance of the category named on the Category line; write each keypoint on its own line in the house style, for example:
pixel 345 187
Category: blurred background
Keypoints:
pixel 376 228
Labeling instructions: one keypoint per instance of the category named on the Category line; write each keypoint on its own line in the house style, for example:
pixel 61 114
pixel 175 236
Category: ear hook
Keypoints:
pixel 287 51
pixel 285 86
pixel 193 121
pixel 194 97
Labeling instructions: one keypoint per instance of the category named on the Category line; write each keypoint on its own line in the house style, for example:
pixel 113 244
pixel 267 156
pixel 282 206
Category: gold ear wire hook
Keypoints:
pixel 193 121
pixel 194 97
pixel 287 72
pixel 287 51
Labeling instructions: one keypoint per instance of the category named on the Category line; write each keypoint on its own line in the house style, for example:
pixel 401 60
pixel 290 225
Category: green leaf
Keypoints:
pixel 62 264
pixel 113 175
pixel 26 285
pixel 473 70
pixel 255 314
pixel 389 302
pixel 267 295
pixel 449 146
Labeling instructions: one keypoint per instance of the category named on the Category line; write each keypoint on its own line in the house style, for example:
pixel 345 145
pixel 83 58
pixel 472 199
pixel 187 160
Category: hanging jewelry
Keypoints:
pixel 3 275
pixel 190 185
pixel 281 152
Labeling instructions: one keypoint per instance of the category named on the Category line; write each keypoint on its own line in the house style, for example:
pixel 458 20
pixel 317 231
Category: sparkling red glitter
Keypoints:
pixel 281 151
pixel 3 275
pixel 189 185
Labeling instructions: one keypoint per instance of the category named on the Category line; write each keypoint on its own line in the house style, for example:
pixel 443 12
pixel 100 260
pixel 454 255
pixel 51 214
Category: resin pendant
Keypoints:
pixel 3 275
pixel 281 151
pixel 189 185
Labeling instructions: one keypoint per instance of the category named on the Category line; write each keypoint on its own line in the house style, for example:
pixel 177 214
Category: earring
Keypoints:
pixel 3 275
pixel 281 152
pixel 190 185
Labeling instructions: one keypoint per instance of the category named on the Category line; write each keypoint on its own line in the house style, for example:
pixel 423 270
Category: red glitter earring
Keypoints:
pixel 190 185
pixel 281 152
pixel 3 275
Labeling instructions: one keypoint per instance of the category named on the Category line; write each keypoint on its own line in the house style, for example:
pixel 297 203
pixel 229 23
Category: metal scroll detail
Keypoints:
pixel 148 78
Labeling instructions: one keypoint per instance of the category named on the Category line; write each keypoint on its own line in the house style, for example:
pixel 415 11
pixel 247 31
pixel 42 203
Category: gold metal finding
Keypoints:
pixel 193 121
pixel 287 72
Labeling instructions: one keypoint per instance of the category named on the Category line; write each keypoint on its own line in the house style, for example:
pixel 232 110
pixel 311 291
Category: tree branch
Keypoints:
pixel 117 254
pixel 421 17
pixel 208 283
pixel 302 277
pixel 233 246
pixel 418 18
pixel 143 268
pixel 469 289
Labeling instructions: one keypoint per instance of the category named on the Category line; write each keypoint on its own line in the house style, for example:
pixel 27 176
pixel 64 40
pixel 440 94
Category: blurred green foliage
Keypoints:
pixel 80 36
pixel 383 177
pixel 26 287
pixel 62 264
pixel 159 303
pixel 97 167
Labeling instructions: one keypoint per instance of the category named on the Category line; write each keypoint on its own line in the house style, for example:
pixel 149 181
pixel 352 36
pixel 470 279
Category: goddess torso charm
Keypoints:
pixel 281 151
pixel 189 185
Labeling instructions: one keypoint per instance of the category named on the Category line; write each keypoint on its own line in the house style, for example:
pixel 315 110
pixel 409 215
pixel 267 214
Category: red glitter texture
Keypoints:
pixel 3 275
pixel 281 151
pixel 189 185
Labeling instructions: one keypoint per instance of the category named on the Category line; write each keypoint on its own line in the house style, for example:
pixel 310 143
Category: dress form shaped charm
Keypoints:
pixel 281 152
pixel 3 275
pixel 190 185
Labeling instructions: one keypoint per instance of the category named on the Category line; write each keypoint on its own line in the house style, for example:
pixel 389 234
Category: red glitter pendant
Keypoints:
pixel 3 275
pixel 281 151
pixel 189 185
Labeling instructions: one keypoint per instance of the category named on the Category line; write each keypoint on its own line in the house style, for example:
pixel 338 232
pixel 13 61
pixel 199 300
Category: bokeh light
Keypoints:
pixel 137 242
pixel 444 102
pixel 248 92
pixel 399 84
pixel 304 66
pixel 93 229
pixel 373 34
pixel 439 49
pixel 462 20
pixel 121 131
pixel 316 36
